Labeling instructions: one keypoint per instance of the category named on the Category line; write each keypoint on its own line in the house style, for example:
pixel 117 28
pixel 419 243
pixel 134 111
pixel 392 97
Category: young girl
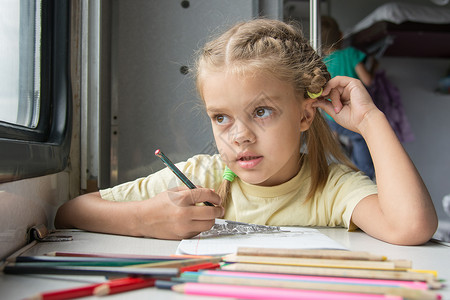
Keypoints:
pixel 262 83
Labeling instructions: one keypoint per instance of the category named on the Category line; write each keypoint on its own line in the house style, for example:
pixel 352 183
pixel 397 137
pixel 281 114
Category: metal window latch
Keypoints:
pixel 40 233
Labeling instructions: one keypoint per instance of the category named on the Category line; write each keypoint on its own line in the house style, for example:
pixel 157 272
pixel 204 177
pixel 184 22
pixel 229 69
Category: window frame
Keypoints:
pixel 27 152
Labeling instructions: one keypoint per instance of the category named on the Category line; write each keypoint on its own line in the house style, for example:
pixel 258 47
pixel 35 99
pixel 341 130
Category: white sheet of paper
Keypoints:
pixel 289 238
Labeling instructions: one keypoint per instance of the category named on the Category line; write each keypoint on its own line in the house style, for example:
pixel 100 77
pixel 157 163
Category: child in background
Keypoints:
pixel 349 62
pixel 261 84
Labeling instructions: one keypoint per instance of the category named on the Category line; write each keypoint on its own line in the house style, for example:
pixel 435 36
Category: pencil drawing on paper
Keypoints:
pixel 226 227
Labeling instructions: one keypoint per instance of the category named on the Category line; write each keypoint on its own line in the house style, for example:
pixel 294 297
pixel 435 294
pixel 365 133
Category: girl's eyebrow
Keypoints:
pixel 213 110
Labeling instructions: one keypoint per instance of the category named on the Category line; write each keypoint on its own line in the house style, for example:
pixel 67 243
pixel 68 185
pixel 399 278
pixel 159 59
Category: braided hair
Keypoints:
pixel 280 49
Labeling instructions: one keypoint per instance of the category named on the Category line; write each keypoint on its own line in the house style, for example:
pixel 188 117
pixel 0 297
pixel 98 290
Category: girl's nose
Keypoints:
pixel 242 134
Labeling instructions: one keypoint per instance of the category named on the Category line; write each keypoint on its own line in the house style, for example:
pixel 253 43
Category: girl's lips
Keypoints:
pixel 249 162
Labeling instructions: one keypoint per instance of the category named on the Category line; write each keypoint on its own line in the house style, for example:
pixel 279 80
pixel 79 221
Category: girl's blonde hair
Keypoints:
pixel 277 48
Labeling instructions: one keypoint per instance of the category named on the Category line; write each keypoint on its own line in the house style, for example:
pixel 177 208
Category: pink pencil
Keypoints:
pixel 400 283
pixel 251 292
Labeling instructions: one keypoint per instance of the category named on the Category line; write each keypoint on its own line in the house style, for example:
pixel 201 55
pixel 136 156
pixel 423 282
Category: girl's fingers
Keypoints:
pixel 337 82
pixel 190 197
pixel 199 219
pixel 205 213
pixel 350 100
pixel 335 97
pixel 331 103
pixel 196 227
pixel 348 88
pixel 341 90
pixel 325 105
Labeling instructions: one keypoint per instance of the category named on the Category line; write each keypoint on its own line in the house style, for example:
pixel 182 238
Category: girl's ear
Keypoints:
pixel 309 113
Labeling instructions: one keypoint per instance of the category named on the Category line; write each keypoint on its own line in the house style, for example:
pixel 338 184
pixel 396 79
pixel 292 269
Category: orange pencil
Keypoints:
pixel 129 284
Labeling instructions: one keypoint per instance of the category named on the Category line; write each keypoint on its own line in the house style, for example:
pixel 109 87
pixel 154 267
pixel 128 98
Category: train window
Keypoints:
pixel 20 33
pixel 35 109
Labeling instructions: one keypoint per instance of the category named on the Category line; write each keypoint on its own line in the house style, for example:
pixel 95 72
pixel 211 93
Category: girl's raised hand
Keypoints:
pixel 350 102
pixel 402 212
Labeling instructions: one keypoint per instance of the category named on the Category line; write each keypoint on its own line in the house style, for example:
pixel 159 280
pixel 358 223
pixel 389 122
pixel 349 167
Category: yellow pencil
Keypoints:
pixel 337 272
pixel 315 262
pixel 309 253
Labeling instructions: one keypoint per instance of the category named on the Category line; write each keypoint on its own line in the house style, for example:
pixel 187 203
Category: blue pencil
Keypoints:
pixel 90 270
pixel 177 172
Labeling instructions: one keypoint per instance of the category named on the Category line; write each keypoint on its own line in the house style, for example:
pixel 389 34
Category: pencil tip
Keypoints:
pixel 101 290
pixel 178 288
pixel 37 297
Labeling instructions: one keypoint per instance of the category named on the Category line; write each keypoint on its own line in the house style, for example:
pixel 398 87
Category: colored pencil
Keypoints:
pixel 124 256
pixel 318 286
pixel 66 294
pixel 99 271
pixel 252 292
pixel 178 173
pixel 180 263
pixel 71 293
pixel 165 284
pixel 315 262
pixel 309 253
pixel 81 261
pixel 432 272
pixel 198 267
pixel 82 264
pixel 400 283
pixel 335 272
pixel 50 259
pixel 109 288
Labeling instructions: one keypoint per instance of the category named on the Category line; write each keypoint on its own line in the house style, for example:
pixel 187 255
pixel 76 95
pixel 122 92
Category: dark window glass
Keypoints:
pixel 35 110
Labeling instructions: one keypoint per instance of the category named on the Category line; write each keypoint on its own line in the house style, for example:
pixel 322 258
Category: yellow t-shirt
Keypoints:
pixel 282 205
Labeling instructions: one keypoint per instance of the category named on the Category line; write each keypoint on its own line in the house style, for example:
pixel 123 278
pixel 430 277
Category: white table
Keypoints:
pixel 432 256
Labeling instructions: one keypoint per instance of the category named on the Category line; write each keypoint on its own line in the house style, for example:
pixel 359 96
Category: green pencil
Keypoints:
pixel 178 173
pixel 83 261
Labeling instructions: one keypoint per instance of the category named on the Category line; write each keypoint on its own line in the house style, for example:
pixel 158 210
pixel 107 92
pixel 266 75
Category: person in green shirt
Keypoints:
pixel 349 62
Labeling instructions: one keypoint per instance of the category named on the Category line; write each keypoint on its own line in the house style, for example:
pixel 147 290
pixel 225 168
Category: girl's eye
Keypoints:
pixel 263 112
pixel 221 119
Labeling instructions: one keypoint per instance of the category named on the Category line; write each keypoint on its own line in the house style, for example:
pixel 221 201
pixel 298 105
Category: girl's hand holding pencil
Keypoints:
pixel 172 214
pixel 178 215
pixel 184 219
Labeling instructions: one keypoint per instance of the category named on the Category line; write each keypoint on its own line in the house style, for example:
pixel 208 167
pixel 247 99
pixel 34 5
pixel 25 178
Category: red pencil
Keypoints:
pixel 66 294
pixel 72 293
pixel 204 266
pixel 130 284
